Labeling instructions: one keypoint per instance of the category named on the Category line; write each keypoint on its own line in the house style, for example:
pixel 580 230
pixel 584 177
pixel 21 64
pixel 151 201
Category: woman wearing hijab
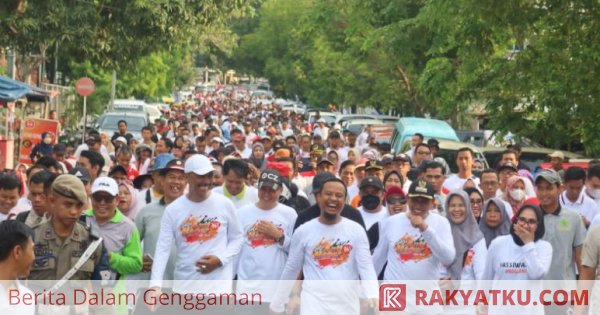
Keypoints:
pixel 128 200
pixel 494 221
pixel 518 189
pixel 258 157
pixel 521 255
pixel 476 199
pixel 469 242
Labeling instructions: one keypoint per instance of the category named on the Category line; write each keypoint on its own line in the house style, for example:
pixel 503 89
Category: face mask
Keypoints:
pixel 595 193
pixel 370 202
pixel 517 194
pixel 47 140
pixel 477 174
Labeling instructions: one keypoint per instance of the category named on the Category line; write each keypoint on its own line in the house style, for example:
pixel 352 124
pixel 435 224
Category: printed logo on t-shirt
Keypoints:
pixel 256 239
pixel 410 249
pixel 512 267
pixel 469 257
pixel 199 229
pixel 330 252
pixel 564 225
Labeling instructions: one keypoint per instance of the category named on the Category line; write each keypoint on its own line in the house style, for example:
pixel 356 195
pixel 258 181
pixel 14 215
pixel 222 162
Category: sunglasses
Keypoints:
pixel 392 201
pixel 105 198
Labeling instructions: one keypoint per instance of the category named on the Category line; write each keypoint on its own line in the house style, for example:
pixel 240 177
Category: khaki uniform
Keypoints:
pixel 55 257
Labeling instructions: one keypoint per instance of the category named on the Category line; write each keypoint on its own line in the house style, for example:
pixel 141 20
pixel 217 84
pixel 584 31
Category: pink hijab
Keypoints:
pixel 133 205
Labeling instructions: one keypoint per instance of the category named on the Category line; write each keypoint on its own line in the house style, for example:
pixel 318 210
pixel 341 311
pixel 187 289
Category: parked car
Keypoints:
pixel 358 125
pixel 449 149
pixel 387 119
pixel 341 119
pixel 108 123
pixel 406 127
pixel 531 156
pixel 328 116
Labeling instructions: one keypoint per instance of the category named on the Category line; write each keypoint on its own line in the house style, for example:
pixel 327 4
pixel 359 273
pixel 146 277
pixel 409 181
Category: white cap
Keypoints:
pixel 557 154
pixel 122 139
pixel 198 164
pixel 105 184
pixel 321 120
pixel 218 139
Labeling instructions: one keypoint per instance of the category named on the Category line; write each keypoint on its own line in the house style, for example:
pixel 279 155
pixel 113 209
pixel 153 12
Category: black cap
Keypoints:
pixel 421 189
pixel 335 134
pixel 508 165
pixel 319 180
pixel 374 165
pixel 270 178
pixel 81 173
pixel 117 168
pixel 433 143
pixel 138 181
pixel 174 164
pixel 371 181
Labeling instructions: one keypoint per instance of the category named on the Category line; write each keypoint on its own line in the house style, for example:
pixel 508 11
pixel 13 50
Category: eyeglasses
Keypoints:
pixel 489 183
pixel 105 198
pixel 393 201
pixel 476 200
pixel 529 222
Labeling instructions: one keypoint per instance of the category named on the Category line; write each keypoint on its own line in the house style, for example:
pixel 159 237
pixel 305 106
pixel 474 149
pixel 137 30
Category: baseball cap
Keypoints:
pixel 161 161
pixel 394 190
pixel 59 149
pixel 508 165
pixel 549 175
pixel 105 184
pixel 198 164
pixel 557 154
pixel 361 163
pixel 373 165
pixel 422 189
pixel 317 149
pixel 324 159
pixel 70 186
pixel 81 173
pixel 93 138
pixel 175 164
pixel 121 139
pixel 217 139
pixel 371 181
pixel 269 178
pixel 319 179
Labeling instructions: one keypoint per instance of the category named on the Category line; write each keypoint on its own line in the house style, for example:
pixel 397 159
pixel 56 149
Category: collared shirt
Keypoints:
pixel 248 195
pixel 122 240
pixel 584 205
pixel 564 230
pixel 34 219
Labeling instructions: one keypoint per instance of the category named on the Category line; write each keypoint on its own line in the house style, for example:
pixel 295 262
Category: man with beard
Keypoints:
pixel 371 199
pixel 330 247
pixel 206 232
pixel 148 220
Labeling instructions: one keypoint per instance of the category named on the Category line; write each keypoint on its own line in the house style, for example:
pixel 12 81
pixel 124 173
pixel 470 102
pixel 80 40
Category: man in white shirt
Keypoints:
pixel 235 172
pixel 574 198
pixel 10 188
pixel 286 131
pixel 415 243
pixel 267 226
pixel 321 129
pixel 416 139
pixel 239 143
pixel 464 161
pixel 206 232
pixel 371 199
pixel 329 247
pixel 335 144
pixel 16 258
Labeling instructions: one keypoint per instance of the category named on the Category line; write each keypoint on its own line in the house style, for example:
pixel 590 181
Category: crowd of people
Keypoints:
pixel 222 189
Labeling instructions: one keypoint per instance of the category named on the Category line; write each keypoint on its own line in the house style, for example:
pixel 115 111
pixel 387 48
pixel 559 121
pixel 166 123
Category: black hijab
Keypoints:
pixel 539 232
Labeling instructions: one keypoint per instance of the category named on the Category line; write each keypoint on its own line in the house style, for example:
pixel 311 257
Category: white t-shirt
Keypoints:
pixel 371 218
pixel 584 205
pixel 250 196
pixel 329 252
pixel 287 132
pixel 453 182
pixel 414 255
pixel 262 257
pixel 202 228
pixel 508 261
pixel 472 270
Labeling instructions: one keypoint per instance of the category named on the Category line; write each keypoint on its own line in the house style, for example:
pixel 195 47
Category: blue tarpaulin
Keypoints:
pixel 12 90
